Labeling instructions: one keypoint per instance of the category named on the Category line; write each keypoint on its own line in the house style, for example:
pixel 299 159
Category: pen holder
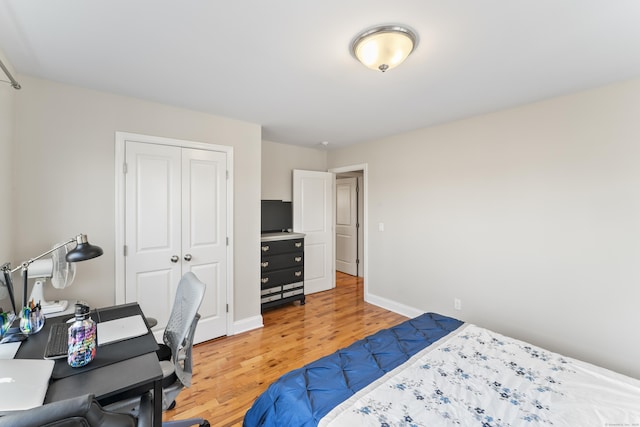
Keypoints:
pixel 6 319
pixel 31 321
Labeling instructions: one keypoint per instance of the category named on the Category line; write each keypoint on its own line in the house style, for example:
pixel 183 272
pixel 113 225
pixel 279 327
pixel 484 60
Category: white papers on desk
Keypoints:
pixel 121 329
pixel 8 350
pixel 23 383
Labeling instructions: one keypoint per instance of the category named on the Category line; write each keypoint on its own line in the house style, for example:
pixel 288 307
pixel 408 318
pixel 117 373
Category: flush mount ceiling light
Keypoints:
pixel 384 47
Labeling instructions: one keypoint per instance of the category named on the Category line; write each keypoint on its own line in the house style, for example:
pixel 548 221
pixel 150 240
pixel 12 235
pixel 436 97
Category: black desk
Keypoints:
pixel 115 369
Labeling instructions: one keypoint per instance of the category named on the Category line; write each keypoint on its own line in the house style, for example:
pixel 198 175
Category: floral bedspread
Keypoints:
pixel 476 377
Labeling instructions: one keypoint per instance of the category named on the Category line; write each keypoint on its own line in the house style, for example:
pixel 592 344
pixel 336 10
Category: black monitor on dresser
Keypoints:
pixel 277 216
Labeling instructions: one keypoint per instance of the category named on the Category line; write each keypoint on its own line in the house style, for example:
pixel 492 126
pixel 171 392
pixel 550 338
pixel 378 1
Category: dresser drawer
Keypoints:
pixel 279 277
pixel 281 246
pixel 270 298
pixel 292 293
pixel 270 290
pixel 292 286
pixel 275 262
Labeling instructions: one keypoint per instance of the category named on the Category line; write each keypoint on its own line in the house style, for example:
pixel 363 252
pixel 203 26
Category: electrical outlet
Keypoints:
pixel 457 304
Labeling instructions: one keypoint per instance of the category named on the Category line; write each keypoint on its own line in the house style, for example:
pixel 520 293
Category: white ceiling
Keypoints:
pixel 286 65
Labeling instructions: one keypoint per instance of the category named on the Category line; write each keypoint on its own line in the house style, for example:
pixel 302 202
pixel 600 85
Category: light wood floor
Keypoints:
pixel 230 372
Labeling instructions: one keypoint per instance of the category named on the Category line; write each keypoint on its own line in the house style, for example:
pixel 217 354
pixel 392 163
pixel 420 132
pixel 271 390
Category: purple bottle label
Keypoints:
pixel 82 343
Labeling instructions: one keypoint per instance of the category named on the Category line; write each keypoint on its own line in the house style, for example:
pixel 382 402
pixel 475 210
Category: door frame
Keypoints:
pixel 119 248
pixel 363 167
pixel 354 220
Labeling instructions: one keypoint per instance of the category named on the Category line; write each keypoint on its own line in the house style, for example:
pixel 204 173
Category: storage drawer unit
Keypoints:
pixel 282 269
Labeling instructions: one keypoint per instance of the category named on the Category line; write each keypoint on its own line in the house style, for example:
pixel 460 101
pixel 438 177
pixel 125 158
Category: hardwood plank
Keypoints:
pixel 230 372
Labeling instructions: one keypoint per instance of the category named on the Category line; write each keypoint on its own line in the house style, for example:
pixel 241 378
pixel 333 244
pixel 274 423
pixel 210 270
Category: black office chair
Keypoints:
pixel 175 354
pixel 83 411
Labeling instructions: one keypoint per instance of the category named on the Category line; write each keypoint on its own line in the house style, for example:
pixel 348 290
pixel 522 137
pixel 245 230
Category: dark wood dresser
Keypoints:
pixel 282 269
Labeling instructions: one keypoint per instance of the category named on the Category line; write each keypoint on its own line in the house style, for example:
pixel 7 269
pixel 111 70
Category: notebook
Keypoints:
pixel 9 350
pixel 23 383
pixel 121 329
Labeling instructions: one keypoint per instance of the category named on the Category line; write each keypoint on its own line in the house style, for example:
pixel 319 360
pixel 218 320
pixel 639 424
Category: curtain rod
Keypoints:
pixel 14 83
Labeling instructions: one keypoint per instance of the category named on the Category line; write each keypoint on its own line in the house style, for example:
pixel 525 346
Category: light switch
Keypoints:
pixel 381 226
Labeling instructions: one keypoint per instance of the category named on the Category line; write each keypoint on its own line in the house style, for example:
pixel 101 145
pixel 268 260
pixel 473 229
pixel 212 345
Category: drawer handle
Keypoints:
pixel 265 280
pixel 264 264
pixel 297 273
pixel 298 244
pixel 298 259
pixel 265 248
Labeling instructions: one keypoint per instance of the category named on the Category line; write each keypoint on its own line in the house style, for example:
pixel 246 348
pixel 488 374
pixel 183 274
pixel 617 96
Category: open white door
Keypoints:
pixel 313 215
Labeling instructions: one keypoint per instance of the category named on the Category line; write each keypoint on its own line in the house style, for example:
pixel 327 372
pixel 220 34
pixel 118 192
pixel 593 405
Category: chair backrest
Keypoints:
pixel 178 335
pixel 79 411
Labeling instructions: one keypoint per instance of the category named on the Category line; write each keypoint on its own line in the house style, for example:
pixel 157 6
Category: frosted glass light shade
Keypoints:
pixel 383 48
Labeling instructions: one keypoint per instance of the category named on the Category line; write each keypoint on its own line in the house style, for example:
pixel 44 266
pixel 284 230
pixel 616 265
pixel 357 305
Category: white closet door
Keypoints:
pixel 153 227
pixel 176 222
pixel 204 234
pixel 313 215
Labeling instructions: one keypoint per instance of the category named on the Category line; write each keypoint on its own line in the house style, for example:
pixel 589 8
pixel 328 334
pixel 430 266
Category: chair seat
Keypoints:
pixel 168 373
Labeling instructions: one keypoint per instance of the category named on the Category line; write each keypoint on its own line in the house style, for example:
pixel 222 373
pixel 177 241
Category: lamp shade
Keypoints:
pixel 84 250
pixel 385 47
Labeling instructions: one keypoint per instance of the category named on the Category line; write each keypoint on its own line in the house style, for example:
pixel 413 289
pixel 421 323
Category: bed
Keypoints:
pixel 436 370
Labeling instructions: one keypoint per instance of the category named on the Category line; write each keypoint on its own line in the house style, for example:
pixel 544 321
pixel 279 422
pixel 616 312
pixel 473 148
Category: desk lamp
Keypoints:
pixel 82 252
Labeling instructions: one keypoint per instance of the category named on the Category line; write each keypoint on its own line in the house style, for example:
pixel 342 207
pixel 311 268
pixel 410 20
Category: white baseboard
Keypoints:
pixel 394 306
pixel 245 325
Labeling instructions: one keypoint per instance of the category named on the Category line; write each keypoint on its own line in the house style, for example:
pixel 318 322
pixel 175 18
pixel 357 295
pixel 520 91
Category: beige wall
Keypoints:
pixel 278 162
pixel 65 178
pixel 530 216
pixel 7 94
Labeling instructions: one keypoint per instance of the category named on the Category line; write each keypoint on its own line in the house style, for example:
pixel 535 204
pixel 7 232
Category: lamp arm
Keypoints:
pixel 26 264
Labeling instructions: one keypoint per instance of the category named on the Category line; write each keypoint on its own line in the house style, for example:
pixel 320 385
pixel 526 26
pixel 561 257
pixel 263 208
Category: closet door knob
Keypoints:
pixel 187 257
pixel 175 258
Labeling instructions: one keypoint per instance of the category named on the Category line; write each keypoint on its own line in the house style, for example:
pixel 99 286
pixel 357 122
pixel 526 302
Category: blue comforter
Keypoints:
pixel 303 396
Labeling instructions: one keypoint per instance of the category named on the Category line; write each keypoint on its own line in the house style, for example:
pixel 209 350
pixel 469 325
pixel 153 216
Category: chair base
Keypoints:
pixel 141 406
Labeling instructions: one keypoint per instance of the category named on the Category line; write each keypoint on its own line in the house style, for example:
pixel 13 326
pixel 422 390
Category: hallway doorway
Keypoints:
pixel 348 235
pixel 358 171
